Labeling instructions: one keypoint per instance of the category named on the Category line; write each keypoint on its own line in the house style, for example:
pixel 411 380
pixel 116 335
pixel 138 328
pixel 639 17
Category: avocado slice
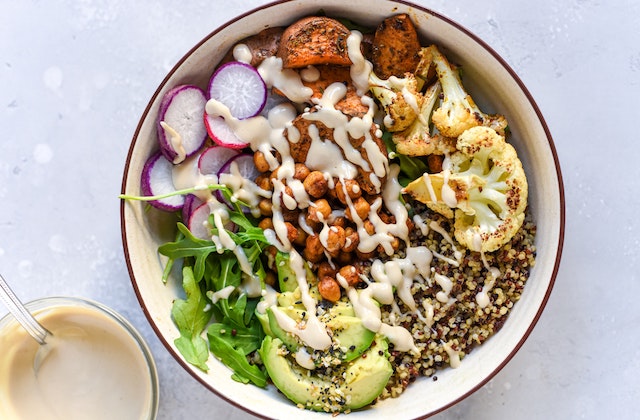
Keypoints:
pixel 287 279
pixel 286 299
pixel 264 322
pixel 353 385
pixel 348 332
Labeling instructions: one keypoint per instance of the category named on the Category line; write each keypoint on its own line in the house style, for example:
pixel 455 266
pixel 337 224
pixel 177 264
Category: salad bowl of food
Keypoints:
pixel 327 210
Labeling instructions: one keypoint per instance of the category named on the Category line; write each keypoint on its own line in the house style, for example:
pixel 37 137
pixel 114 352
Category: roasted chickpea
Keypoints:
pixel 264 181
pixel 361 206
pixel 292 232
pixel 266 207
pixel 350 274
pixel 335 239
pixel 352 239
pixel 260 161
pixel 266 223
pixel 274 174
pixel 313 250
pixel 325 269
pixel 301 172
pixel 315 184
pixel 302 237
pixel 270 254
pixel 287 200
pixel 329 289
pixel 369 227
pixel 319 211
pixel 395 245
pixel 339 221
pixel 350 187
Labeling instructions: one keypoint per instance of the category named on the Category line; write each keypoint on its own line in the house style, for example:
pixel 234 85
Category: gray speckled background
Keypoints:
pixel 76 75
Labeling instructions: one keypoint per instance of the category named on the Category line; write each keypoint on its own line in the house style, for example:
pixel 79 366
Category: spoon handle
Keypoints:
pixel 21 313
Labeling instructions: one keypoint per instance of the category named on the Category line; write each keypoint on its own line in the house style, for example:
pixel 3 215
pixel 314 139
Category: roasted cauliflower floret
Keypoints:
pixel 458 111
pixel 486 185
pixel 418 139
pixel 399 98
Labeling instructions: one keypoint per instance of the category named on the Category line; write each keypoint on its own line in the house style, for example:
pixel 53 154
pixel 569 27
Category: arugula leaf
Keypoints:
pixel 208 269
pixel 235 359
pixel 191 318
pixel 194 350
pixel 243 339
pixel 189 246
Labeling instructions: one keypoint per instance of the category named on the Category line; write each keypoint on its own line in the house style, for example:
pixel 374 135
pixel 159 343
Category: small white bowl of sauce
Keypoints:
pixel 98 366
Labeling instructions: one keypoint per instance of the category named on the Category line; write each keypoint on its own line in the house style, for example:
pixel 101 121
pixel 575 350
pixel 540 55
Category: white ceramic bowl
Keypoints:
pixel 495 87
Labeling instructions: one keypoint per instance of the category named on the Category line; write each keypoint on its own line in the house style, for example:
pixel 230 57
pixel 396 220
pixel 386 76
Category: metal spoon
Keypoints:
pixel 28 322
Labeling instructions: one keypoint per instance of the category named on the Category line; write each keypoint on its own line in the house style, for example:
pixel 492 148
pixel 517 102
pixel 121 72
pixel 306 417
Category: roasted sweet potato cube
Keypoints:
pixel 312 41
pixel 395 47
pixel 261 45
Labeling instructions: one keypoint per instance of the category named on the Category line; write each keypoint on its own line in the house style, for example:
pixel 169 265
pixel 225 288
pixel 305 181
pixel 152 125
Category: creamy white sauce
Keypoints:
pixel 326 157
pixel 310 74
pixel 360 67
pixel 176 142
pixel 482 298
pixel 429 313
pixel 303 358
pixel 221 294
pixel 94 370
pixel 446 284
pixel 445 235
pixel 242 53
pixel 269 298
pixel 287 81
pixel 454 356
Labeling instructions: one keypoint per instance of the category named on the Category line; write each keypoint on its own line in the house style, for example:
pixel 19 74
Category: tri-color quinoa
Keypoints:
pixel 460 324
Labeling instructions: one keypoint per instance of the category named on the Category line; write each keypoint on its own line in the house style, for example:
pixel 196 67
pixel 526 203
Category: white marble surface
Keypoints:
pixel 76 75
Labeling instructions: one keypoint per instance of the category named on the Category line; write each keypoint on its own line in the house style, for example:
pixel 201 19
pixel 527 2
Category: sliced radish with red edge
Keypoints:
pixel 191 202
pixel 199 222
pixel 214 158
pixel 157 179
pixel 246 170
pixel 180 129
pixel 240 87
pixel 221 133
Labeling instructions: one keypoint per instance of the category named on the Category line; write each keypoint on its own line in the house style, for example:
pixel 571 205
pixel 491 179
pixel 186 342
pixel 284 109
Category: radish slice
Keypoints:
pixel 240 87
pixel 180 129
pixel 221 133
pixel 191 202
pixel 214 158
pixel 199 222
pixel 157 179
pixel 246 169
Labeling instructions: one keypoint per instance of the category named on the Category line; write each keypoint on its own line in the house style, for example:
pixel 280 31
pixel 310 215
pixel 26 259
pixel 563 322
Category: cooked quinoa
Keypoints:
pixel 460 324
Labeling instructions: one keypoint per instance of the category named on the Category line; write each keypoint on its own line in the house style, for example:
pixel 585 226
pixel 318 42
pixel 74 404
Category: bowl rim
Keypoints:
pixel 501 61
